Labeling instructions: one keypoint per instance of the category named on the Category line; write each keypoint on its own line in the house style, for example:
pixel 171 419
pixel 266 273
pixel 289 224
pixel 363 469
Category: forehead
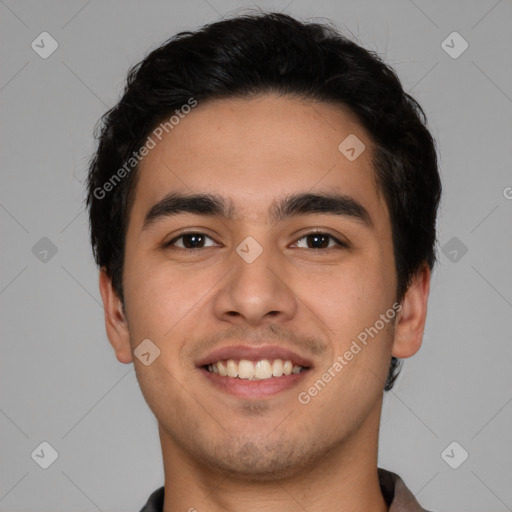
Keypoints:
pixel 254 151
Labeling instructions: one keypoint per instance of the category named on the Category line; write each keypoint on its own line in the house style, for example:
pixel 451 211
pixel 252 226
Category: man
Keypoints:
pixel 263 207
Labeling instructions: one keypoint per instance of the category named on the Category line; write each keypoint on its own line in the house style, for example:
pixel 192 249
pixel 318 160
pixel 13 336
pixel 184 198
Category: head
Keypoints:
pixel 249 114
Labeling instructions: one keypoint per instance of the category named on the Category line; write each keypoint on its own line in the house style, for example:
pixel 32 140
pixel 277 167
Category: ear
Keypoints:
pixel 115 320
pixel 410 322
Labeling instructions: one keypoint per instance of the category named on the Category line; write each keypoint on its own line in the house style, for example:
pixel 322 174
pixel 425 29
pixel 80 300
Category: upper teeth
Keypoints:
pixel 245 369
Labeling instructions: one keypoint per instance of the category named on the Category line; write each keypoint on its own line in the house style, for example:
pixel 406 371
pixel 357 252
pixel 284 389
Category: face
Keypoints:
pixel 254 282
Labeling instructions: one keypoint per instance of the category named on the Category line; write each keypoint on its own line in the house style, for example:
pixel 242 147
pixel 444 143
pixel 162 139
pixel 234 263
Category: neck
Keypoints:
pixel 343 479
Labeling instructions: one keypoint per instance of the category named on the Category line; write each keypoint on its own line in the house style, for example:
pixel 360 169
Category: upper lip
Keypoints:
pixel 254 353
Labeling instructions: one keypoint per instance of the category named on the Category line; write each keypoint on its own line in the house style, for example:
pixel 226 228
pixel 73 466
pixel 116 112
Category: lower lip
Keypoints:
pixel 245 388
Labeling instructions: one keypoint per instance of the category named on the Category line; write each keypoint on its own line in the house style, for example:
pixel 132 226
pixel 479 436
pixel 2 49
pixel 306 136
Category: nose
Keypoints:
pixel 256 292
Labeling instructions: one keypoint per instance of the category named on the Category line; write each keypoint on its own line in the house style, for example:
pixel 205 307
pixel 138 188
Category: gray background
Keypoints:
pixel 61 382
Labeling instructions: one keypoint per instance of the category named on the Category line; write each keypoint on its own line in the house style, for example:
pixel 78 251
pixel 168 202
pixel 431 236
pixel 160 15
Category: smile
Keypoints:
pixel 254 370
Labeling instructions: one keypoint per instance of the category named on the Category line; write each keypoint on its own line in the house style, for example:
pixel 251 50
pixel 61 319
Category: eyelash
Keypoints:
pixel 190 233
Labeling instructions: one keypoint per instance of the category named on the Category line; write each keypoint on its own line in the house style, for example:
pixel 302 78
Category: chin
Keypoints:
pixel 251 461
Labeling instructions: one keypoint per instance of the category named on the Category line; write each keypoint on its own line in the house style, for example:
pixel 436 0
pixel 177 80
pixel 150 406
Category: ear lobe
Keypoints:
pixel 411 319
pixel 115 320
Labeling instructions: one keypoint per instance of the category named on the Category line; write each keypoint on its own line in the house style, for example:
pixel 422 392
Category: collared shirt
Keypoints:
pixel 397 496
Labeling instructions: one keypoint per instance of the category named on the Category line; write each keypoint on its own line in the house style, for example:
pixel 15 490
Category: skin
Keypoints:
pixel 221 452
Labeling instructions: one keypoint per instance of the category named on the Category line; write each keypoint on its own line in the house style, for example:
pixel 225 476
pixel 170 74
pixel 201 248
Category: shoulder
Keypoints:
pixel 155 502
pixel 397 494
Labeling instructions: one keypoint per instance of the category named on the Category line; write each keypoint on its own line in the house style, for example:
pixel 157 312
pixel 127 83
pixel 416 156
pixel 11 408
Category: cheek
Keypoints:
pixel 357 291
pixel 349 301
pixel 164 300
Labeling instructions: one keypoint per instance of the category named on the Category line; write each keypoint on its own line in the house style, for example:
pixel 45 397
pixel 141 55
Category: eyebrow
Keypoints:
pixel 214 205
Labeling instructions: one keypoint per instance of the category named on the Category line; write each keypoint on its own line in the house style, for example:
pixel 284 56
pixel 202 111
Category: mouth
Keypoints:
pixel 254 370
pixel 250 372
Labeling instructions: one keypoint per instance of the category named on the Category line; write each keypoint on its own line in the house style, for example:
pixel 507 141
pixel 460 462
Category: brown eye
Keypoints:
pixel 190 241
pixel 319 241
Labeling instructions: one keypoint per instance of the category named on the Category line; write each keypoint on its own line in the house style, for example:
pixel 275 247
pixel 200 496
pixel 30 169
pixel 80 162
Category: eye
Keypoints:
pixel 313 240
pixel 320 240
pixel 190 241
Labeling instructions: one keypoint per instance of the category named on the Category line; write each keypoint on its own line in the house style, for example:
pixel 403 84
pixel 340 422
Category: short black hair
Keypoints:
pixel 255 54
